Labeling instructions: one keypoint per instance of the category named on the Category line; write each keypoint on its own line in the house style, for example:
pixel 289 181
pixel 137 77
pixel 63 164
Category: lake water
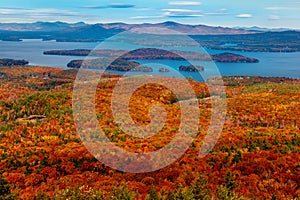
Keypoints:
pixel 271 64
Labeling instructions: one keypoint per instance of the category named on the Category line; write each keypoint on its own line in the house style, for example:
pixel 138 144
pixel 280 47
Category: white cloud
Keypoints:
pixel 244 16
pixel 215 13
pixel 223 9
pixel 273 17
pixel 185 3
pixel 32 12
pixel 277 8
pixel 40 14
pixel 181 13
pixel 147 17
pixel 143 9
pixel 178 10
pixel 282 8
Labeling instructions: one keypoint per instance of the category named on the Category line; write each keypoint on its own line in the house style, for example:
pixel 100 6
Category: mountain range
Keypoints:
pixel 113 27
pixel 261 29
pixel 183 28
pixel 238 39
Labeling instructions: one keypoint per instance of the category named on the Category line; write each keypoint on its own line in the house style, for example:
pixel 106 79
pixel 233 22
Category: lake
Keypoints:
pixel 271 64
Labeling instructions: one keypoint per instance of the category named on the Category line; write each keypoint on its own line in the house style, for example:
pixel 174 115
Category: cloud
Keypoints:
pixel 184 16
pixel 147 17
pixel 14 8
pixel 37 12
pixel 40 14
pixel 49 11
pixel 178 10
pixel 215 13
pixel 277 8
pixel 181 13
pixel 223 9
pixel 244 16
pixel 185 3
pixel 142 9
pixel 273 17
pixel 173 13
pixel 282 8
pixel 117 5
pixel 94 7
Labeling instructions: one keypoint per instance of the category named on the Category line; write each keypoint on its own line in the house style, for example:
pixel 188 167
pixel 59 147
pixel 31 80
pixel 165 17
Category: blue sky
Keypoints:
pixel 230 13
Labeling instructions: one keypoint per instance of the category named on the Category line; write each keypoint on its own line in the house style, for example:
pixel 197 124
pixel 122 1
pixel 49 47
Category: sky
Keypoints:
pixel 226 13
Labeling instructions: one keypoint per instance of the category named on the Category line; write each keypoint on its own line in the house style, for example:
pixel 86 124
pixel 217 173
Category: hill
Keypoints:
pixel 207 36
pixel 81 32
pixel 256 157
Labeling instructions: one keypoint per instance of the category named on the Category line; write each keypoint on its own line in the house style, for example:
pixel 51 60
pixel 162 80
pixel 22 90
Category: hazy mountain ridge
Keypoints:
pixel 262 29
pixel 208 36
pixel 181 28
pixel 39 26
pixel 62 26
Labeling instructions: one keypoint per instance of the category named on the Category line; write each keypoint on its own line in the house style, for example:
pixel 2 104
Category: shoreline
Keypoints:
pixel 237 78
pixel 216 47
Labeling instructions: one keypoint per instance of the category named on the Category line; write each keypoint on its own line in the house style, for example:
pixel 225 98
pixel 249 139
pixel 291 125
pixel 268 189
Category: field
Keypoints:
pixel 42 157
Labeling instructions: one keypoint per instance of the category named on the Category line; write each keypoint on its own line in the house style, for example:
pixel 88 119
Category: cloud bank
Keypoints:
pixel 185 3
pixel 244 16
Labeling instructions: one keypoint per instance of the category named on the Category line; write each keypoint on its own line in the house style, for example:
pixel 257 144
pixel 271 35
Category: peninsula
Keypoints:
pixel 155 54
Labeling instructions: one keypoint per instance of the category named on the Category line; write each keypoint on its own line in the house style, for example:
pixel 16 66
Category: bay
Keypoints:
pixel 270 65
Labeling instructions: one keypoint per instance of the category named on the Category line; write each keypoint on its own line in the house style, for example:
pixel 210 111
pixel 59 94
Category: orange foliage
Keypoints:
pixel 259 144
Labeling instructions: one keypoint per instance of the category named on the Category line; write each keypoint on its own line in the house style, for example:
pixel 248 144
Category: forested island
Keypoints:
pixel 233 58
pixel 155 54
pixel 163 70
pixel 191 68
pixel 12 62
pixel 117 65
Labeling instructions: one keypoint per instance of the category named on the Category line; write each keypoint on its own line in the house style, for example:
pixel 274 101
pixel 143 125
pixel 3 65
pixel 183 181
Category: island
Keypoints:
pixel 163 70
pixel 155 54
pixel 74 52
pixel 104 64
pixel 233 58
pixel 191 68
pixel 12 62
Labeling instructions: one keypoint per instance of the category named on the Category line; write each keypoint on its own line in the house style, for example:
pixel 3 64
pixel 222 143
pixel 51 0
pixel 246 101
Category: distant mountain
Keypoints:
pixel 59 31
pixel 88 32
pixel 112 27
pixel 260 29
pixel 243 39
pixel 39 26
pixel 285 41
pixel 246 39
pixel 180 28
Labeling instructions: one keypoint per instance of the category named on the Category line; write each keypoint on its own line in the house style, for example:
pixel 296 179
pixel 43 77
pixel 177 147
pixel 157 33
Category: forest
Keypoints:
pixel 43 157
pixel 155 54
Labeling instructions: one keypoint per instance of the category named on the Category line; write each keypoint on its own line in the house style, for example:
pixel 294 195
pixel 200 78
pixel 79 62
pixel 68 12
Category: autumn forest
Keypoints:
pixel 42 156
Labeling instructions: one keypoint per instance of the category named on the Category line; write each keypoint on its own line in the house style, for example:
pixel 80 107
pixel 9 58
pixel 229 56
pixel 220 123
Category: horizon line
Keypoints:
pixel 154 23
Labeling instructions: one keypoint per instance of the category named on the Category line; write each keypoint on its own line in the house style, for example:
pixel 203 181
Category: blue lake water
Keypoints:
pixel 271 64
pixel 229 45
